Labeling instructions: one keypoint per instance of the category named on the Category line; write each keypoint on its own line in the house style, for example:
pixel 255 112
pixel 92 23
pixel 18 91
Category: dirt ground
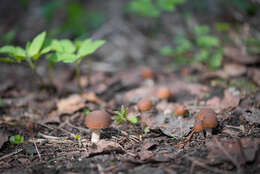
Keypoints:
pixel 51 120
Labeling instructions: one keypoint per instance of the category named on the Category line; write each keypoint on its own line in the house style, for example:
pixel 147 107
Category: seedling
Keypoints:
pixel 1 102
pixel 30 55
pixel 121 116
pixel 202 47
pixel 69 52
pixel 86 111
pixel 17 139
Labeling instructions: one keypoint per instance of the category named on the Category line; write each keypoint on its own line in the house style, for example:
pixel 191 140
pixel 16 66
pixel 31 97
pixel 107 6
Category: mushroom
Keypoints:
pixel 144 104
pixel 147 73
pixel 164 93
pixel 206 111
pixel 180 110
pixel 97 120
pixel 209 119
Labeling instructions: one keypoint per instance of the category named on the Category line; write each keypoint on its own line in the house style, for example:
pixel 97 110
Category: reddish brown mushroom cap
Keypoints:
pixel 164 93
pixel 144 104
pixel 204 112
pixel 198 126
pixel 147 73
pixel 98 120
pixel 210 121
pixel 181 110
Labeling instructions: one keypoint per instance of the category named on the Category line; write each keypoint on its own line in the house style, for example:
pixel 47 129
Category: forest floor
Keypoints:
pixel 57 141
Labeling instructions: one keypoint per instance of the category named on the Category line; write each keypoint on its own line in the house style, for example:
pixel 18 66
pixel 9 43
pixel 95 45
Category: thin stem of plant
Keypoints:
pixel 38 76
pixel 89 70
pixel 78 76
pixel 50 73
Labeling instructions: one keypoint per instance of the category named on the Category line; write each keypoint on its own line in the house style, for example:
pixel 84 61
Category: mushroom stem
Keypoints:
pixel 95 135
pixel 208 132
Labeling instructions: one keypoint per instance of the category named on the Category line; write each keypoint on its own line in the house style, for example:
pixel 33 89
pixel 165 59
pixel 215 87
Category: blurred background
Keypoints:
pixel 175 32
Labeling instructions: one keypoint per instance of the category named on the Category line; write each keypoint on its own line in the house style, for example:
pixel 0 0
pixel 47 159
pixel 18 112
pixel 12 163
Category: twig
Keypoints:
pixel 10 154
pixel 36 148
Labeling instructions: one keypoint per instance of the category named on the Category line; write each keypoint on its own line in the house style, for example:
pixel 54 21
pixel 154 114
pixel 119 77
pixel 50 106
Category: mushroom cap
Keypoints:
pixel 98 119
pixel 144 104
pixel 204 112
pixel 164 93
pixel 180 110
pixel 210 121
pixel 147 73
pixel 198 126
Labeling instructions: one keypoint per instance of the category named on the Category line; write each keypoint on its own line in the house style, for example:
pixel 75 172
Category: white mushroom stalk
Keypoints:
pixel 95 136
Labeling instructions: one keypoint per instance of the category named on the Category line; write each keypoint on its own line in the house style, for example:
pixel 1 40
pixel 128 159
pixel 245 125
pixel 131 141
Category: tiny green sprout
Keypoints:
pixel 77 136
pixel 17 139
pixel 86 111
pixel 121 116
pixel 133 119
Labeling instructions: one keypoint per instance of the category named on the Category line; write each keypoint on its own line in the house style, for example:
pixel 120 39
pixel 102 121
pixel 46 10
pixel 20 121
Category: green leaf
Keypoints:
pixel 88 47
pixel 8 49
pixel 8 60
pixel 216 60
pixel 168 5
pixel 65 57
pixel 202 55
pixel 201 30
pixel 36 44
pixel 166 51
pixel 133 119
pixel 208 41
pixel 143 8
pixel 17 139
pixel 67 46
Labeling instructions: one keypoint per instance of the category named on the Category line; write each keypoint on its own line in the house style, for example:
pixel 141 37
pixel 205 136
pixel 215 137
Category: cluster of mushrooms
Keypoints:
pixel 206 119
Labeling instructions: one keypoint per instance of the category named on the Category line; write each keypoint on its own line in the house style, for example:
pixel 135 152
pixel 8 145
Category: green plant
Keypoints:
pixel 121 116
pixel 68 52
pixel 152 8
pixel 1 101
pixel 86 111
pixel 202 47
pixel 17 139
pixel 30 55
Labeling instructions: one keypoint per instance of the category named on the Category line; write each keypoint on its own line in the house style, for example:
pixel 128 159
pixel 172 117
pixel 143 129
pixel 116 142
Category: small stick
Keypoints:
pixel 10 154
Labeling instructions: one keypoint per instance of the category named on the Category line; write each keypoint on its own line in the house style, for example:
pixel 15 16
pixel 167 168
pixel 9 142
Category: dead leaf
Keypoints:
pixel 3 138
pixel 174 126
pixel 92 97
pixel 240 56
pixel 254 73
pixel 71 104
pixel 102 146
pixel 231 98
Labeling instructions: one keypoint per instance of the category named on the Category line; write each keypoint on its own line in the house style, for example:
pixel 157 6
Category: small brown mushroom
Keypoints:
pixel 210 121
pixel 198 126
pixel 164 93
pixel 147 73
pixel 180 110
pixel 144 104
pixel 203 112
pixel 97 120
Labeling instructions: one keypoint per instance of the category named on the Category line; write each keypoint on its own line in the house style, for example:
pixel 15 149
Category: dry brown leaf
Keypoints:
pixel 71 104
pixel 102 146
pixel 92 97
pixel 240 56
pixel 231 98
